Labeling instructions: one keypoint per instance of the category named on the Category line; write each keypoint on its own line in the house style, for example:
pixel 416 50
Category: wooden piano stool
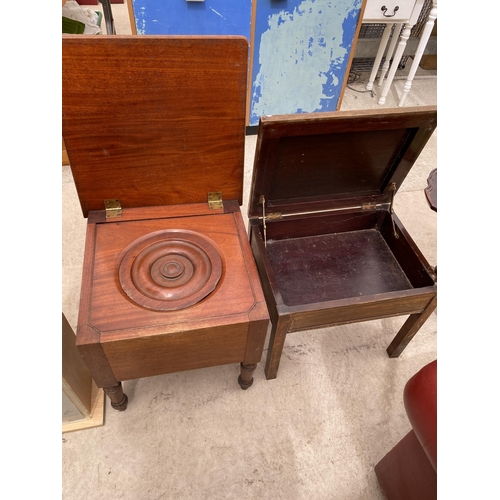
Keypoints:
pixel 329 248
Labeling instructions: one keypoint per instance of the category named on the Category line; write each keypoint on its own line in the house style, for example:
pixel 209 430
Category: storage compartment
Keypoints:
pixel 329 247
pixel 362 257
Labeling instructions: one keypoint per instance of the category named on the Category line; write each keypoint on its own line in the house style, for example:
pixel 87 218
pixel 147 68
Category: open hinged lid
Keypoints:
pixel 154 120
pixel 322 161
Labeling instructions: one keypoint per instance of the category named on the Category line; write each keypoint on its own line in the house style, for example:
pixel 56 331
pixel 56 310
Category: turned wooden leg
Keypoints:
pixel 276 343
pixel 409 329
pixel 246 375
pixel 118 399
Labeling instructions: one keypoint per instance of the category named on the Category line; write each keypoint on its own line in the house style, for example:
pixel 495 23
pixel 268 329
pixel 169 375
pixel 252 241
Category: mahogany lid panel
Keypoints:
pixel 316 161
pixel 154 120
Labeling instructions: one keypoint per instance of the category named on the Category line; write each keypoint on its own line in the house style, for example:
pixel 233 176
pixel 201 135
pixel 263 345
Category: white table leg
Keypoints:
pixel 424 38
pixel 390 52
pixel 395 62
pixel 380 54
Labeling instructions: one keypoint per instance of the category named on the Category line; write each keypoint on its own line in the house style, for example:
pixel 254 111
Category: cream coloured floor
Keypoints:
pixel 315 432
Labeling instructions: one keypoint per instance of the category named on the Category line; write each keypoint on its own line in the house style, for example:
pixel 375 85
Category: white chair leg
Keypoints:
pixel 390 52
pixel 380 54
pixel 424 38
pixel 395 62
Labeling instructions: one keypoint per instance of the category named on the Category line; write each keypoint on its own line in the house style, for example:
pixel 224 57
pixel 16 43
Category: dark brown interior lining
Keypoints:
pixel 337 164
pixel 335 266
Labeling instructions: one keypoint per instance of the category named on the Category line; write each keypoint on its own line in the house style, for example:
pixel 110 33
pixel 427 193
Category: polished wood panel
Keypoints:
pixel 154 130
pixel 351 310
pixel 169 353
pixel 234 294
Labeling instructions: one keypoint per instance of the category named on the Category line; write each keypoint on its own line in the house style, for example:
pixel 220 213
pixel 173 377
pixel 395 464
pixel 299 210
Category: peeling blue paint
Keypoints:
pixel 310 81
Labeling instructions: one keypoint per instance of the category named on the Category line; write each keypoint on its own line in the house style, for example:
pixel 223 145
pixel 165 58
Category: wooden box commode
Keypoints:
pixel 154 128
pixel 328 245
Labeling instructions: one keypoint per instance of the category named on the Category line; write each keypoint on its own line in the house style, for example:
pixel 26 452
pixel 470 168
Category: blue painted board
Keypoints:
pixel 300 56
pixel 179 17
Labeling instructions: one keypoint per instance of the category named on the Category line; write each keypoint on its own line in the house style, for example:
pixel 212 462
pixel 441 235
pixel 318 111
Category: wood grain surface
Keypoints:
pixel 122 340
pixel 318 161
pixel 154 120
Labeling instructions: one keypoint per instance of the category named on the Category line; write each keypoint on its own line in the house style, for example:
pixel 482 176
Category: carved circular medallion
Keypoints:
pixel 170 269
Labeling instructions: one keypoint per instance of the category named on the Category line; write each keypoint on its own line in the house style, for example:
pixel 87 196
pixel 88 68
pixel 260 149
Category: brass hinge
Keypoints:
pixel 393 189
pixel 274 216
pixel 368 205
pixel 262 201
pixel 265 218
pixel 215 201
pixel 113 208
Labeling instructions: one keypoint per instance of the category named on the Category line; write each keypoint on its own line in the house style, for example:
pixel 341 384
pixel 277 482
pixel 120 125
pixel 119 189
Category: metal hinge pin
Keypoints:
pixel 113 208
pixel 215 200
pixel 391 209
pixel 262 201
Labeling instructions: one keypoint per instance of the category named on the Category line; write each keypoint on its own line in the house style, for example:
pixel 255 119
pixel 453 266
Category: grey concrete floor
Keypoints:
pixel 315 432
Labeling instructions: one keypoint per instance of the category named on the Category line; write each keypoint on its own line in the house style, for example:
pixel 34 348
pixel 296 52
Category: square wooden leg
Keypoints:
pixel 409 329
pixel 276 342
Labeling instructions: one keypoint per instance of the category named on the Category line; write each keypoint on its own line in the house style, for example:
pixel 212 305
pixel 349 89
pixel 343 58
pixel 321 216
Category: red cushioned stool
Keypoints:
pixel 409 470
